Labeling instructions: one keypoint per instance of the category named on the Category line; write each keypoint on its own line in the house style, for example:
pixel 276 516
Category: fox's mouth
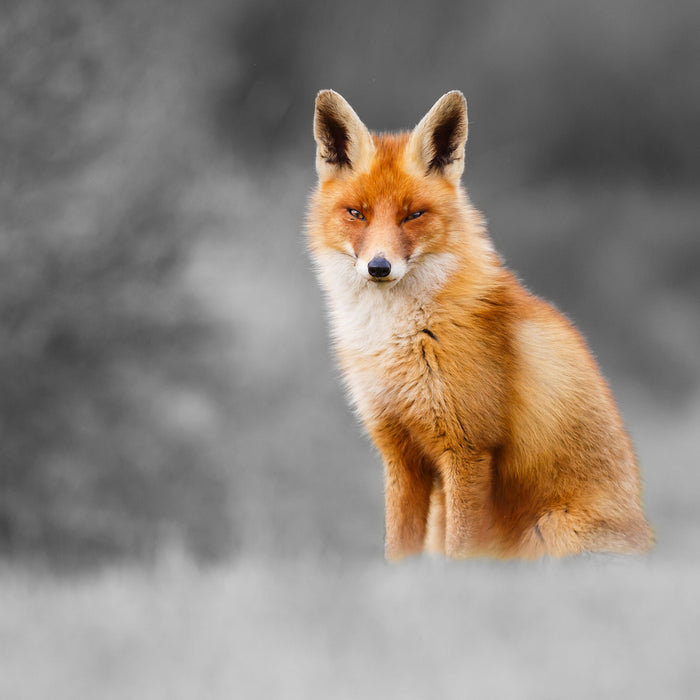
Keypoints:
pixel 373 281
pixel 382 282
pixel 380 271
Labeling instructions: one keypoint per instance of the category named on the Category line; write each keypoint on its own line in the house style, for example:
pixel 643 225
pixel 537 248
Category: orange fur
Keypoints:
pixel 498 434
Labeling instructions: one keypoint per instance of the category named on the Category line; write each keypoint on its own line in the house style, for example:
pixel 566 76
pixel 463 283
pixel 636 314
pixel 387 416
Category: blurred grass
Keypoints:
pixel 592 627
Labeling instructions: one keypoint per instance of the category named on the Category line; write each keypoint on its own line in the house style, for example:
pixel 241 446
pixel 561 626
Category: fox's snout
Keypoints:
pixel 381 251
pixel 379 266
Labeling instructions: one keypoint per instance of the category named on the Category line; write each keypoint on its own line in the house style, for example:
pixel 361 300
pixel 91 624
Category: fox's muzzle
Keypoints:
pixel 379 267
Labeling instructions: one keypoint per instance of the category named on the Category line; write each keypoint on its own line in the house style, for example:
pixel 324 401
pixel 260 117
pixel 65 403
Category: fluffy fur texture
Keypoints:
pixel 498 434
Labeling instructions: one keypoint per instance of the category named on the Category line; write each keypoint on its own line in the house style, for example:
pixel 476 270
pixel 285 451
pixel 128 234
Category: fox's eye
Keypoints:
pixel 412 216
pixel 356 214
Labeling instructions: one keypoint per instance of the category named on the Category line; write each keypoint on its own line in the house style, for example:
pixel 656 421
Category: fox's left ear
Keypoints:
pixel 343 142
pixel 437 143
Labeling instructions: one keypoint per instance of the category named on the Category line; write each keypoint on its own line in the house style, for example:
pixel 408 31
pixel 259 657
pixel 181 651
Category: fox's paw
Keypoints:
pixel 558 533
pixel 555 533
pixel 394 552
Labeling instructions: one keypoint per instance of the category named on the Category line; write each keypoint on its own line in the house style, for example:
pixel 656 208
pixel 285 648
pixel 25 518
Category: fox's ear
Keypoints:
pixel 437 143
pixel 343 141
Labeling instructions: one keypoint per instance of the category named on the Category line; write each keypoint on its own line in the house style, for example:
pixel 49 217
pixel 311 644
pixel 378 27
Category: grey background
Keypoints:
pixel 187 507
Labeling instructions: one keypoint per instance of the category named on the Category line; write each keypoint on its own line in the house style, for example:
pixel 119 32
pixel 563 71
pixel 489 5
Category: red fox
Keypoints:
pixel 498 434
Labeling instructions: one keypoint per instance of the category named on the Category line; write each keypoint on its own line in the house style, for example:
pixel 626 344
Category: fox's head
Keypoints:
pixel 386 203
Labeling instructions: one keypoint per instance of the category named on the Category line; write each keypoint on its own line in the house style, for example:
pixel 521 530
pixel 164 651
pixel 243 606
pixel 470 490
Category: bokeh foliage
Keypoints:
pixel 103 351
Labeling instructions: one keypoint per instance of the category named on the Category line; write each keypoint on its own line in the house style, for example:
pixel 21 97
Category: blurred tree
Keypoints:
pixel 107 405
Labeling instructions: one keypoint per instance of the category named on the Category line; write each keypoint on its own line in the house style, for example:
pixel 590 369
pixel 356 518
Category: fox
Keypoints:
pixel 498 434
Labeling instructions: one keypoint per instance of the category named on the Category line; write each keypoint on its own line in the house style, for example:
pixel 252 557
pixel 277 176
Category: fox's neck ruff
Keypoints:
pixel 370 317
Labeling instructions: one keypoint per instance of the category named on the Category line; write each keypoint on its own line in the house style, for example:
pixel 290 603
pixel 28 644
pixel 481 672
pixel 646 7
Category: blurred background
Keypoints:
pixel 167 392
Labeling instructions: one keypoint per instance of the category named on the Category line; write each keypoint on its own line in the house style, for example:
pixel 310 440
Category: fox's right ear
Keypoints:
pixel 437 143
pixel 343 142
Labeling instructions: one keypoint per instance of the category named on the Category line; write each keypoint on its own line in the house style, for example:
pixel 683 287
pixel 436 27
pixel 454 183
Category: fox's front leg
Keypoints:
pixel 467 483
pixel 435 535
pixel 407 499
pixel 408 482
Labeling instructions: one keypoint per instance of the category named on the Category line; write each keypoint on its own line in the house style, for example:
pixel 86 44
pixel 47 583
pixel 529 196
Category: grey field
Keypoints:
pixel 188 508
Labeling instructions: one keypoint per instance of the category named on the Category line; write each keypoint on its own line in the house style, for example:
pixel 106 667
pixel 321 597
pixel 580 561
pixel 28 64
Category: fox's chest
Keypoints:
pixel 378 330
pixel 390 359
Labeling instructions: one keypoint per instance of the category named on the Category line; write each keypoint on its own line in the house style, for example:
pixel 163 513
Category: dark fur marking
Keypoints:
pixel 336 139
pixel 425 358
pixel 445 142
pixel 429 333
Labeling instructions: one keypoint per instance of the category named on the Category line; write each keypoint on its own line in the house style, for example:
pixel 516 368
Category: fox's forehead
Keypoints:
pixel 389 147
pixel 388 182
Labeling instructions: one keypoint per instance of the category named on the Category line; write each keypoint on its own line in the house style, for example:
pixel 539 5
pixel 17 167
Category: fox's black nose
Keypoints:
pixel 379 267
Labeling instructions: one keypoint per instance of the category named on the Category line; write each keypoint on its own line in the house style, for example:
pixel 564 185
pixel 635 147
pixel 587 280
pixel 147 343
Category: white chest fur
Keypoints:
pixel 377 330
pixel 371 319
pixel 376 321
